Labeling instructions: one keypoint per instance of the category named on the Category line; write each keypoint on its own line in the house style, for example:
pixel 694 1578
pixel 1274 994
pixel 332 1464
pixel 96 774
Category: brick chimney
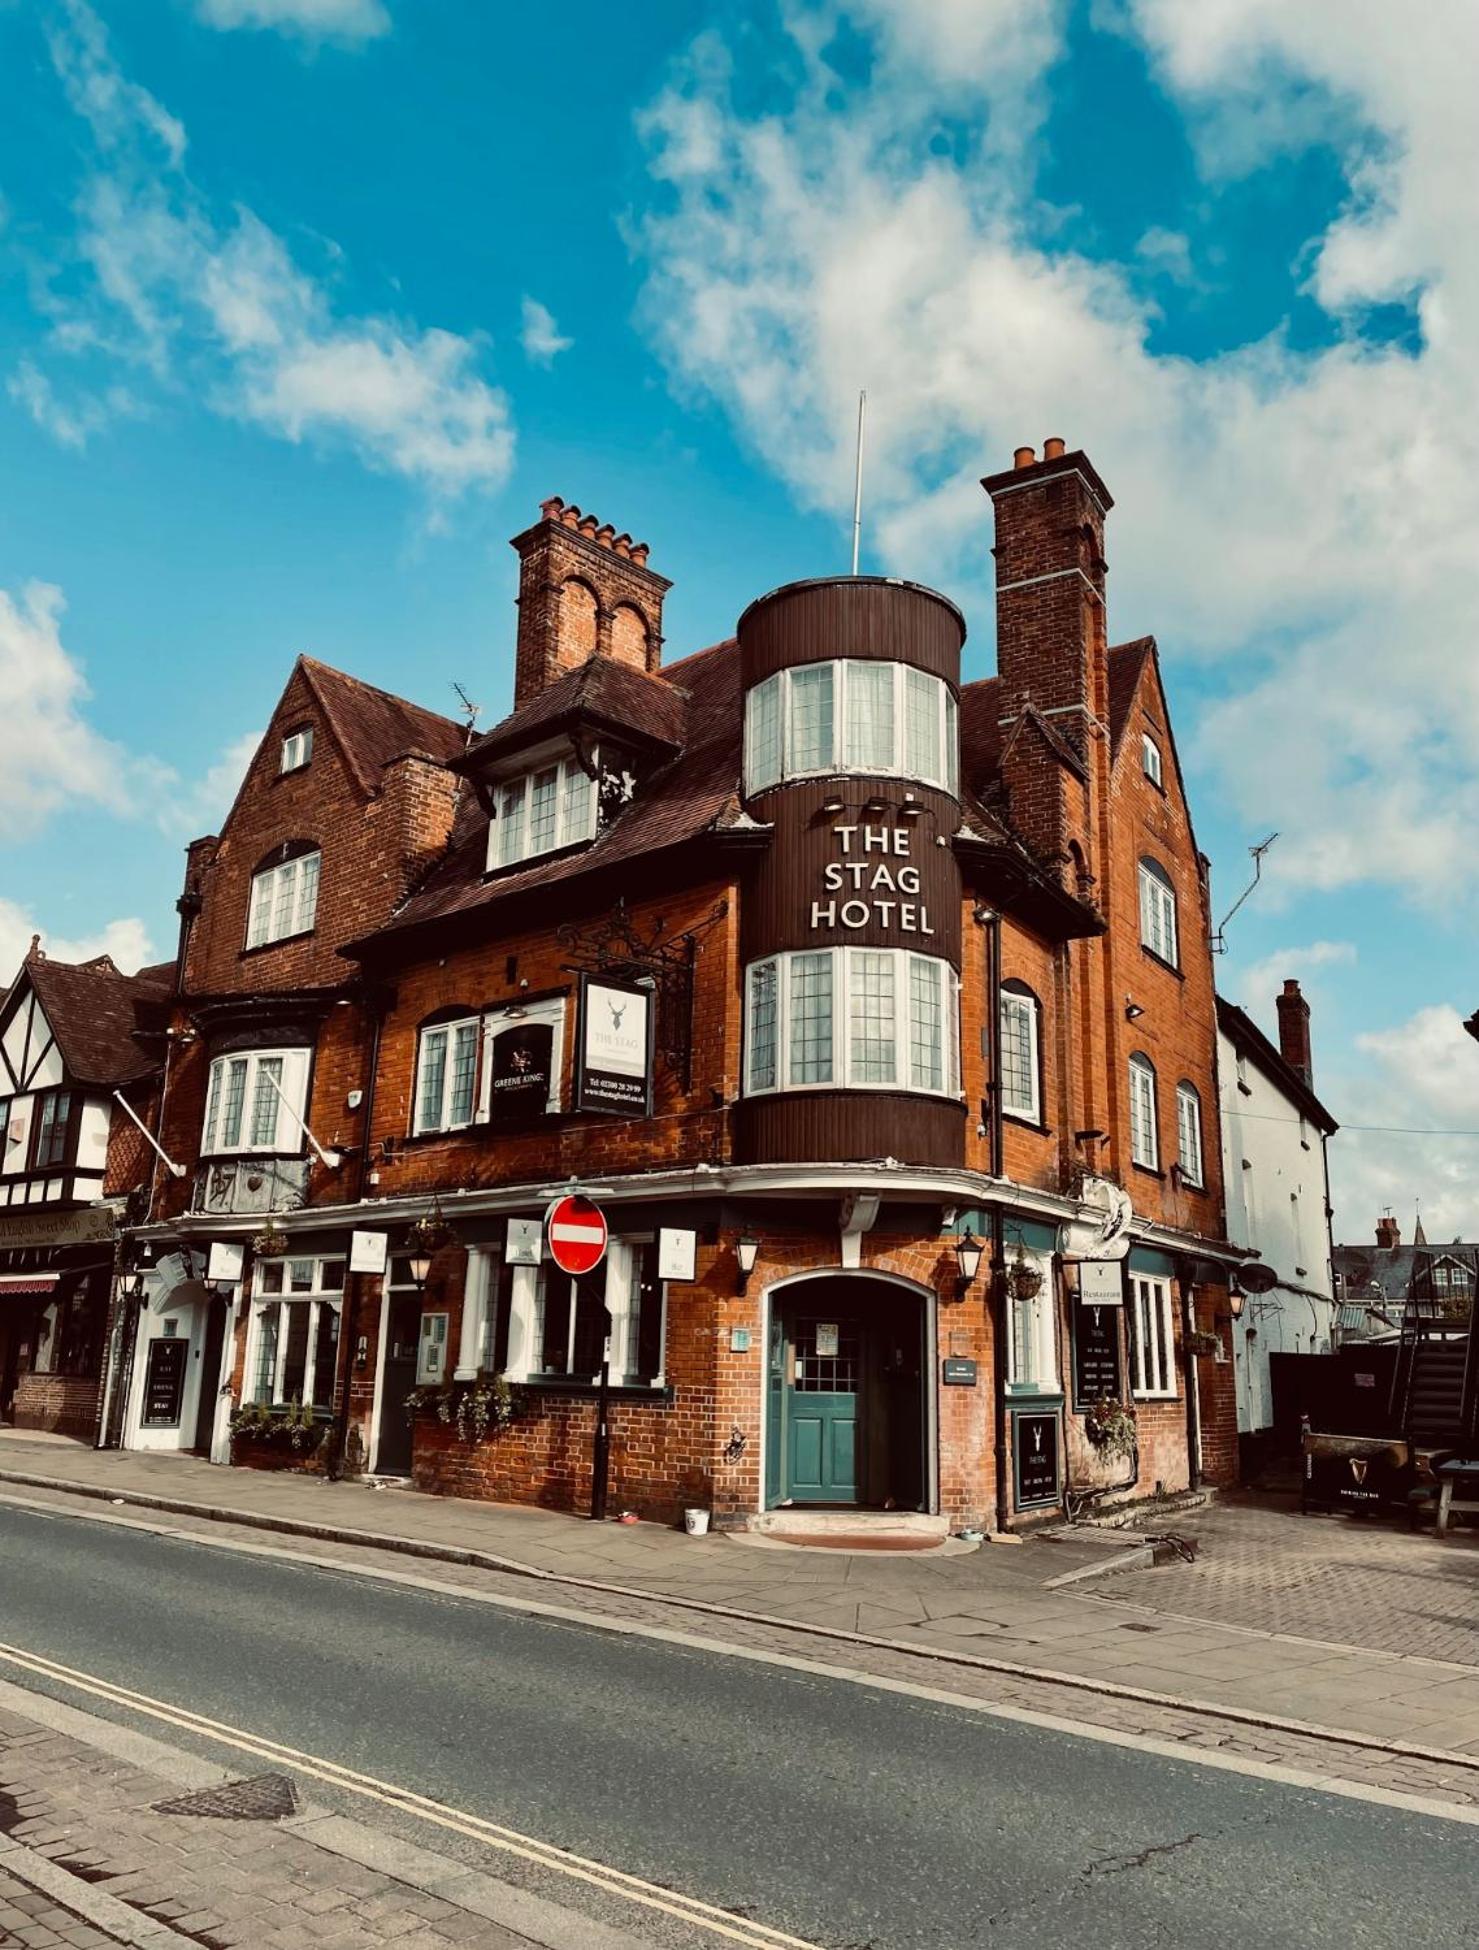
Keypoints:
pixel 1388 1233
pixel 1051 641
pixel 1294 1031
pixel 584 591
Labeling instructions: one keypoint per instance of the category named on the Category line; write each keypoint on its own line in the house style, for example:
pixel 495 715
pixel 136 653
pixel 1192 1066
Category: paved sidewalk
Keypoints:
pixel 31 1920
pixel 1325 1622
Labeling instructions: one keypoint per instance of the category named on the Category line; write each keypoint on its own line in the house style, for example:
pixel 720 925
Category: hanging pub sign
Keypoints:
pixel 1096 1354
pixel 613 1066
pixel 1035 1457
pixel 1101 1283
pixel 519 1064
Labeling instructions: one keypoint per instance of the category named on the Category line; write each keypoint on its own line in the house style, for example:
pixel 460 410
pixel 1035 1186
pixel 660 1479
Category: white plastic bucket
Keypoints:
pixel 696 1522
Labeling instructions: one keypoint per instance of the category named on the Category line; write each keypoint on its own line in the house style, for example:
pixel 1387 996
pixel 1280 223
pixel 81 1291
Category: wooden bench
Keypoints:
pixel 1458 1489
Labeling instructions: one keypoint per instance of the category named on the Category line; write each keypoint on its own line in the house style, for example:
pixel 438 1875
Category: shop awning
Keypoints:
pixel 28 1282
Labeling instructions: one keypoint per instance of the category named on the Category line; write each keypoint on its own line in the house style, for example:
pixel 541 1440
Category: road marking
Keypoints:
pixel 1167 1748
pixel 527 1848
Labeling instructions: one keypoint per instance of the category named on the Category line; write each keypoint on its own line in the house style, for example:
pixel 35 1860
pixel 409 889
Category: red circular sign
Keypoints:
pixel 576 1230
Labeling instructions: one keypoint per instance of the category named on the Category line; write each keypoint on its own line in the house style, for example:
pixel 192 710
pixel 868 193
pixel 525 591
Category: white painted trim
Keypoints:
pixel 378 1403
pixel 1056 575
pixel 1063 474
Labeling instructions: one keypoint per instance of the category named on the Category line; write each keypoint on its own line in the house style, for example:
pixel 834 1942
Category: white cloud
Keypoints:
pixel 1312 503
pixel 126 940
pixel 1167 251
pixel 71 423
pixel 1256 984
pixel 198 806
pixel 1420 1076
pixel 49 755
pixel 541 337
pixel 222 310
pixel 339 20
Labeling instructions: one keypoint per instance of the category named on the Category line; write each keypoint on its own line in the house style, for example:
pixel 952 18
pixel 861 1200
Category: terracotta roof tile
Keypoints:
pixel 374 726
pixel 1126 662
pixel 94 1012
pixel 600 692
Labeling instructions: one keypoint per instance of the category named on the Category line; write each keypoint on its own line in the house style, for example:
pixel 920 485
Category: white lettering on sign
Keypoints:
pixel 872 877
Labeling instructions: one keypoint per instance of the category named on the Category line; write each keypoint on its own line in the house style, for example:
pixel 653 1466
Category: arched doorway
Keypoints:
pixel 847 1423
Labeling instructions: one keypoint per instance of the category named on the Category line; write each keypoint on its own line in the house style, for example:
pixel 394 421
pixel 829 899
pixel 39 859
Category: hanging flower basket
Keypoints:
pixel 429 1233
pixel 1202 1341
pixel 1110 1426
pixel 271 1242
pixel 1024 1280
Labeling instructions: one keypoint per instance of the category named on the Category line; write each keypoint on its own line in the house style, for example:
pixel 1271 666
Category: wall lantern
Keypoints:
pixel 968 1251
pixel 832 806
pixel 1236 1301
pixel 911 808
pixel 420 1265
pixel 1133 1010
pixel 746 1251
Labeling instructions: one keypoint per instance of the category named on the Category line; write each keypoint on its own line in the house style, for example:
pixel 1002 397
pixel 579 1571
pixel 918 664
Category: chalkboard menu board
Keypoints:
pixel 164 1383
pixel 1096 1354
pixel 1035 1454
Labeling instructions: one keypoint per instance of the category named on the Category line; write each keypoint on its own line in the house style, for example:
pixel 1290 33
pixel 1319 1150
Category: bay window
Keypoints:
pixel 858 1018
pixel 1152 1341
pixel 543 811
pixel 293 1340
pixel 284 899
pixel 851 715
pixel 256 1101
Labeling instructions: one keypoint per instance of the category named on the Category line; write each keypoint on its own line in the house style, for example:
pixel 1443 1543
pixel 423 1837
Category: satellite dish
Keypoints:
pixel 1257 1278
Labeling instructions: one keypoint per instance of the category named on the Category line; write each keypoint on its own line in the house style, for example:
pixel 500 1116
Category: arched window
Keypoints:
pixel 1189 1133
pixel 284 896
pixel 1020 1062
pixel 1158 912
pixel 1145 1146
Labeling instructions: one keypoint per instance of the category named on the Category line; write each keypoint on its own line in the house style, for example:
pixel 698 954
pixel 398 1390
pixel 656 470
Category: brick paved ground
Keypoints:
pixel 32 1921
pixel 213 1880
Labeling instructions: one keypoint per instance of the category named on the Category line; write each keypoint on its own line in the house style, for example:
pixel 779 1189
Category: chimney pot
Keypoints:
pixel 640 553
pixel 1053 448
pixel 1388 1233
pixel 605 534
pixel 1023 457
pixel 1294 1030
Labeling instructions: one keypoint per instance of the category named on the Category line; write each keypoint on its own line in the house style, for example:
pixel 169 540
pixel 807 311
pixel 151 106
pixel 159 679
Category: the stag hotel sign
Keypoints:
pixel 873 883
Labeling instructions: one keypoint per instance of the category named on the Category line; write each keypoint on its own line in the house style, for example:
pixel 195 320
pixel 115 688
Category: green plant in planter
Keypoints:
pixel 1024 1280
pixel 271 1242
pixel 477 1409
pixel 1110 1426
pixel 294 1427
pixel 1202 1341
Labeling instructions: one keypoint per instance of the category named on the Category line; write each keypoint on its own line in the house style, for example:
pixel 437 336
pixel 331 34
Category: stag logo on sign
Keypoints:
pixel 616 1044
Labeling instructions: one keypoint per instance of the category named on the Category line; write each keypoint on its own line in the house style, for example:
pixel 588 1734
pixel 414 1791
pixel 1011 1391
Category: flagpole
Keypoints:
pixel 857 491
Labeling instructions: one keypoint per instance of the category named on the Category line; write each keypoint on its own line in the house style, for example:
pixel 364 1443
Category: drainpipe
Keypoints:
pixel 354 1282
pixel 1184 1271
pixel 998 1289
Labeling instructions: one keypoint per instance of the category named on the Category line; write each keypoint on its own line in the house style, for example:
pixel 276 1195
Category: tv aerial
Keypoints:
pixel 1219 940
pixel 469 709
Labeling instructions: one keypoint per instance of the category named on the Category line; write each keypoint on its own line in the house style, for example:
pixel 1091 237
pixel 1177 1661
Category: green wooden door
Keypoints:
pixel 822 1393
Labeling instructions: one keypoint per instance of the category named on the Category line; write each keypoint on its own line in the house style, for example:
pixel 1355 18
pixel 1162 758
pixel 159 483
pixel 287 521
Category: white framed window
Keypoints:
pixel 256 1100
pixel 1189 1133
pixel 297 749
pixel 861 1018
pixel 1157 912
pixel 1152 1341
pixel 447 1075
pixel 293 1337
pixel 1032 1351
pixel 542 811
pixel 557 1325
pixel 1020 1054
pixel 284 900
pixel 1150 759
pixel 1145 1148
pixel 851 715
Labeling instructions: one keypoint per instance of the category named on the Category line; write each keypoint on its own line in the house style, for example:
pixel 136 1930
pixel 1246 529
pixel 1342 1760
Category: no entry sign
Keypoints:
pixel 577 1234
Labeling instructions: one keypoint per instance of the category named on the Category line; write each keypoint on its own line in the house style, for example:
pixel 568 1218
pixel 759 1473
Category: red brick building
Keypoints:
pixel 874 1010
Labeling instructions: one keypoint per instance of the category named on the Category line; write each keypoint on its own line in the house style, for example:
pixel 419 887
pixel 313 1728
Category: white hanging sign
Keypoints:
pixel 525 1243
pixel 367 1251
pixel 677 1253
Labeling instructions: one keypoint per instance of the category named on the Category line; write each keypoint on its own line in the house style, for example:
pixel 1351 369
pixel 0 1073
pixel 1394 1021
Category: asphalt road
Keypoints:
pixel 850 1816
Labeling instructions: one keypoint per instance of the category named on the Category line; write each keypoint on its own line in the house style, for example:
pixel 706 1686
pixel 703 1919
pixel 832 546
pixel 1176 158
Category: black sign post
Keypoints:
pixel 164 1383
pixel 1035 1454
pixel 1096 1354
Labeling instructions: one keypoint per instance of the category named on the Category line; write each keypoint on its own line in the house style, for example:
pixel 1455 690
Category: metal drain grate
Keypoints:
pixel 264 1797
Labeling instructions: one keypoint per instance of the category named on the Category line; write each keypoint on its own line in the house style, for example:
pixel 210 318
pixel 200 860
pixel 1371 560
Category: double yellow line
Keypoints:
pixel 527 1848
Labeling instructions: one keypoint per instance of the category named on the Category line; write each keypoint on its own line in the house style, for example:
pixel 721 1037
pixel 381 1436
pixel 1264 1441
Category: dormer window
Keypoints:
pixel 542 811
pixel 284 897
pixel 297 749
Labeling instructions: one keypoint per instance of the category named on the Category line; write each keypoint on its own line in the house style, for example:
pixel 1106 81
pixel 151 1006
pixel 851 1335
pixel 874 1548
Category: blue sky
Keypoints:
pixel 306 304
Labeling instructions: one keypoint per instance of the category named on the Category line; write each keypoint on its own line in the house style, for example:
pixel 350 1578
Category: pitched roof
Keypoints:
pixel 695 793
pixel 1126 662
pixel 1389 1269
pixel 96 1014
pixel 1244 1034
pixel 600 692
pixel 374 726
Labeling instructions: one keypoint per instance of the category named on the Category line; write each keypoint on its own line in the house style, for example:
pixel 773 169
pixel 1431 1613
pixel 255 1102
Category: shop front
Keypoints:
pixel 177 1384
pixel 55 1273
